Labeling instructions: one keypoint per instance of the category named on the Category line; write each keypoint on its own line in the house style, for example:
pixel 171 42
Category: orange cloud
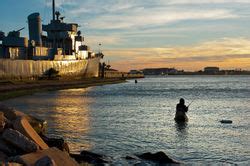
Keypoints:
pixel 225 53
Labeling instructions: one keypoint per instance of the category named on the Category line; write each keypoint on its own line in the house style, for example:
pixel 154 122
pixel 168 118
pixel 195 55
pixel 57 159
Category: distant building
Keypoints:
pixel 159 71
pixel 211 70
pixel 135 72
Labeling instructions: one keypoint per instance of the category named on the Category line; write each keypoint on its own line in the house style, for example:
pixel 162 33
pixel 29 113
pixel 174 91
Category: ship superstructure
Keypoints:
pixel 62 42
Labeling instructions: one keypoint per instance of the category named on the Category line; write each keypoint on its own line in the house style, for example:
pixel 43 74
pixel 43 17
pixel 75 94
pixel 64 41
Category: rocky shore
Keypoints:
pixel 23 142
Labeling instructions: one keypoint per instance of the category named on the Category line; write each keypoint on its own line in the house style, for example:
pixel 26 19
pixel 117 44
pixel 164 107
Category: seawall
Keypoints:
pixel 30 69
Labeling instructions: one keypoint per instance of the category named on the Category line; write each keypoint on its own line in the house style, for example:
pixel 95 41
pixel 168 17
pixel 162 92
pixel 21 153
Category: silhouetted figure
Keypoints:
pixel 135 81
pixel 181 109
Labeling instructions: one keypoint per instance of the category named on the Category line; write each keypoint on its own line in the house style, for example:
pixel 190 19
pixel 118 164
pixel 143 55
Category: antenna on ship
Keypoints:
pixel 53 17
pixel 53 9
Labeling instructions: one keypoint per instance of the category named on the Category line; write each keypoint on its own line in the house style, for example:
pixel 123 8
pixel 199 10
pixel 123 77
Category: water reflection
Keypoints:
pixel 70 117
pixel 181 130
pixel 66 111
pixel 181 126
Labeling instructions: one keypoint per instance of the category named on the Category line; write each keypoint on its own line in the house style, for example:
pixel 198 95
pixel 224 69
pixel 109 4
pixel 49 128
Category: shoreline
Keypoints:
pixel 12 89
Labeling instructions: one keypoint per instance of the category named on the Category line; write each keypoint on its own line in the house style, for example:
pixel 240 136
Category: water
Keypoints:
pixel 124 119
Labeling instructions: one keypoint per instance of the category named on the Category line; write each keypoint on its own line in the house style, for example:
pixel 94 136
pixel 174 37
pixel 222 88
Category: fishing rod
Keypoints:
pixel 190 103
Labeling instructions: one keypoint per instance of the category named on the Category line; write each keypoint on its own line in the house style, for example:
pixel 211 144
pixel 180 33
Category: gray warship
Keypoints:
pixel 62 49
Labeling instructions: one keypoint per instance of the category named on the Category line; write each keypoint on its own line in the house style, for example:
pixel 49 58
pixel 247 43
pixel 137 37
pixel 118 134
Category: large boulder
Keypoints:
pixel 131 157
pixel 159 157
pixel 3 157
pixel 91 158
pixel 37 124
pixel 58 157
pixel 12 114
pixel 9 113
pixel 8 148
pixel 22 125
pixel 56 142
pixel 45 161
pixel 19 140
pixel 8 123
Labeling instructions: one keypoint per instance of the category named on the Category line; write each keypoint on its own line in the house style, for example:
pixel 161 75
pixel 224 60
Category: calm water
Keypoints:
pixel 130 118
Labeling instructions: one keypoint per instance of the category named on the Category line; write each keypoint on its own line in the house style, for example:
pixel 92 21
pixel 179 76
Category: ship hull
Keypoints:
pixel 30 69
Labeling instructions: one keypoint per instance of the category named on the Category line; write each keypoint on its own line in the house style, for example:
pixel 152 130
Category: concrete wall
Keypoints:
pixel 25 69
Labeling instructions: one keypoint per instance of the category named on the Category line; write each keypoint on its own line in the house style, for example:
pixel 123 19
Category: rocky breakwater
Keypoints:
pixel 21 143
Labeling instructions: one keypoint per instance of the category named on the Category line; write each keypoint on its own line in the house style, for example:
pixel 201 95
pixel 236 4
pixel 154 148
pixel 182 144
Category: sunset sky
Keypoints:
pixel 137 34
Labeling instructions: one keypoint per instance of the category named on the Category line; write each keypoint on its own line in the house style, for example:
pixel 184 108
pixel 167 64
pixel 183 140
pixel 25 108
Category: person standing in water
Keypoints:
pixel 181 109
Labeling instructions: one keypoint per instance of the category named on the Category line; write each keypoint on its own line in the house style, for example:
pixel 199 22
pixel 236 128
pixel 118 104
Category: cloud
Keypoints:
pixel 95 40
pixel 123 14
pixel 205 1
pixel 165 33
pixel 227 53
pixel 157 17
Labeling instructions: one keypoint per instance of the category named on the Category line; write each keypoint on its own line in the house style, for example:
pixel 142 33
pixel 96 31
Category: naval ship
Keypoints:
pixel 62 48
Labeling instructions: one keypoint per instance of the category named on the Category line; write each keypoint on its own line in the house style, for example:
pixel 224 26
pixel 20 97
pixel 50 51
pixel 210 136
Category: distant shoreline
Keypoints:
pixel 206 71
pixel 197 74
pixel 12 89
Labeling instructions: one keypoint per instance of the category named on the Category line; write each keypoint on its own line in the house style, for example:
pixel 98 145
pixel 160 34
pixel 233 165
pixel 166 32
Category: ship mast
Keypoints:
pixel 53 20
pixel 53 9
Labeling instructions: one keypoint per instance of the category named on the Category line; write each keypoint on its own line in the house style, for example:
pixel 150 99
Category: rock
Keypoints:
pixel 45 161
pixel 56 142
pixel 90 157
pixel 38 125
pixel 226 121
pixel 19 140
pixel 3 157
pixel 132 158
pixel 9 113
pixel 96 158
pixel 2 122
pixel 8 149
pixel 23 126
pixel 90 154
pixel 12 114
pixel 160 157
pixel 8 123
pixel 18 114
pixel 60 158
pixel 12 164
